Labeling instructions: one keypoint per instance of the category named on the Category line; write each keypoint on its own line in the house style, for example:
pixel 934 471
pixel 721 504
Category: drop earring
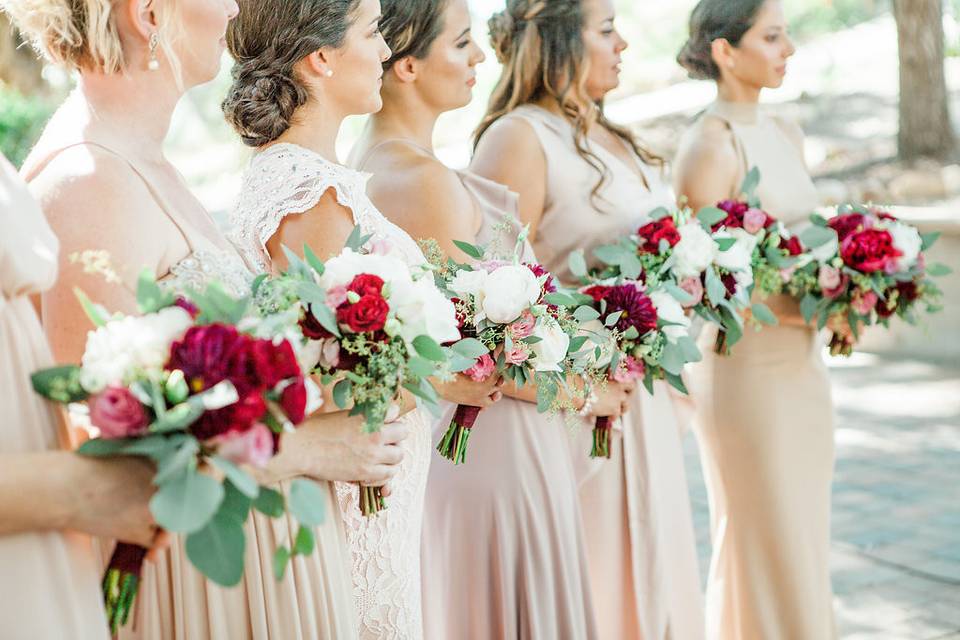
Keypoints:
pixel 153 63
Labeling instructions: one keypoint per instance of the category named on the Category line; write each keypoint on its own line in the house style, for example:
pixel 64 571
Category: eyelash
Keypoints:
pixel 463 45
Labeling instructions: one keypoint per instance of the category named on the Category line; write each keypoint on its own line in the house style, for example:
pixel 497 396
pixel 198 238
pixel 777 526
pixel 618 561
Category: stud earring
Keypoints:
pixel 328 73
pixel 153 63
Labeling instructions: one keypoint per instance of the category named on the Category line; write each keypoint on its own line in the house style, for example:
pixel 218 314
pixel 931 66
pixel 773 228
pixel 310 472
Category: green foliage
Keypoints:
pixel 21 121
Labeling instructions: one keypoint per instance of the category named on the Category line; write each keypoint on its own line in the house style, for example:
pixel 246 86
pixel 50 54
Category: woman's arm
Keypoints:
pixel 510 153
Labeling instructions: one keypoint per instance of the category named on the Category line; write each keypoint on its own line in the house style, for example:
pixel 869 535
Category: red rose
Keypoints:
pixel 849 223
pixel 653 232
pixel 366 284
pixel 270 363
pixel 367 315
pixel 239 416
pixel 869 250
pixel 791 245
pixel 311 327
pixel 736 210
pixel 597 292
pixel 293 401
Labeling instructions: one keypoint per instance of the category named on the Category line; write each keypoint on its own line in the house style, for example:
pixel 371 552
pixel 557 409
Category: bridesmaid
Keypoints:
pixel 104 184
pixel 50 578
pixel 584 182
pixel 769 402
pixel 503 550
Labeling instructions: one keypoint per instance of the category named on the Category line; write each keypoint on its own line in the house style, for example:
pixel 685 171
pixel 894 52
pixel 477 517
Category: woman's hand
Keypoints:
pixel 463 390
pixel 334 447
pixel 612 399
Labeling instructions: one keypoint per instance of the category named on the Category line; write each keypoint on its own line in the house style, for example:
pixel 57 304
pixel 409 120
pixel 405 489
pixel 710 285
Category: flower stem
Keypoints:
pixel 371 501
pixel 601 438
pixel 120 583
pixel 453 446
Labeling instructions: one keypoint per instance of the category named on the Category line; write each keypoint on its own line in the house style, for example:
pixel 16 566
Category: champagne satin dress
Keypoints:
pixel 50 585
pixel 765 426
pixel 641 547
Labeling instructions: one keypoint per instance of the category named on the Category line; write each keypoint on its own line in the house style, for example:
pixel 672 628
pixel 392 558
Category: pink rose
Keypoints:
pixel 492 265
pixel 628 369
pixel 754 220
pixel 336 296
pixel 863 303
pixel 253 446
pixel 330 354
pixel 694 287
pixel 379 247
pixel 524 327
pixel 832 281
pixel 118 414
pixel 787 274
pixel 482 369
pixel 517 356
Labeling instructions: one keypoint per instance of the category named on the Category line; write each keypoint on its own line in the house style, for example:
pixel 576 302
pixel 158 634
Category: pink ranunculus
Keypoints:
pixel 379 247
pixel 253 446
pixel 832 281
pixel 864 302
pixel 921 263
pixel 694 287
pixel 517 356
pixel 482 369
pixel 523 328
pixel 629 369
pixel 754 220
pixel 492 265
pixel 336 296
pixel 118 414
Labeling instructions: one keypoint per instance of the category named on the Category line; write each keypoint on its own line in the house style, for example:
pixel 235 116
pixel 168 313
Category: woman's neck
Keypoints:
pixel 315 127
pixel 404 119
pixel 131 111
pixel 738 93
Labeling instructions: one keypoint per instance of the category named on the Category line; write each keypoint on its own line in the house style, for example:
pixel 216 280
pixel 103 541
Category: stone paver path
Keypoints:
pixel 896 500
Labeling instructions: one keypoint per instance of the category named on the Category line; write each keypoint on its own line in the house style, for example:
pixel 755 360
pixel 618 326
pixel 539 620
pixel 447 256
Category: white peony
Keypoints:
pixel 695 251
pixel 669 310
pixel 342 269
pixel 553 345
pixel 508 292
pixel 907 240
pixel 423 310
pixel 739 257
pixel 470 285
pixel 117 352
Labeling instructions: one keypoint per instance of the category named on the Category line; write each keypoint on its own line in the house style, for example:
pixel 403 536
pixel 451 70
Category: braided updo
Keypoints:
pixel 267 39
pixel 714 20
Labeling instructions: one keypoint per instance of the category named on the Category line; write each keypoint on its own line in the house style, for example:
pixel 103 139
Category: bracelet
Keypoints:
pixel 587 408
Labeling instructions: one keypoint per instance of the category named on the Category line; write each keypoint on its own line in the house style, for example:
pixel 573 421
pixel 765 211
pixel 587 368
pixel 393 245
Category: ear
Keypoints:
pixel 723 54
pixel 318 64
pixel 406 69
pixel 142 17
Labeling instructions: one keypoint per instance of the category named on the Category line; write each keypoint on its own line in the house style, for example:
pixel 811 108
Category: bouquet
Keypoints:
pixel 863 266
pixel 373 326
pixel 503 308
pixel 186 385
pixel 635 333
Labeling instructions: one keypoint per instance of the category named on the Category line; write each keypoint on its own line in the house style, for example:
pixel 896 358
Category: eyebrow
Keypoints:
pixel 463 33
pixel 376 20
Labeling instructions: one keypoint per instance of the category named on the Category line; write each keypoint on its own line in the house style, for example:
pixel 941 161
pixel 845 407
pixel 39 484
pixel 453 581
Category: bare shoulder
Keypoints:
pixel 707 163
pixel 93 200
pixel 510 135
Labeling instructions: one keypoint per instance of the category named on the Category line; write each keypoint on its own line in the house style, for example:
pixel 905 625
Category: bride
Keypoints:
pixel 289 97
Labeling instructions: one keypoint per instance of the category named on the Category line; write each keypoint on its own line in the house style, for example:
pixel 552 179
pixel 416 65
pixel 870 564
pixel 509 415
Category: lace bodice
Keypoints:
pixel 284 180
pixel 204 266
pixel 287 179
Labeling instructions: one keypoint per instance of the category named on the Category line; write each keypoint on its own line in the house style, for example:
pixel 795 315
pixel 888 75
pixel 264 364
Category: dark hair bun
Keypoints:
pixel 715 20
pixel 697 58
pixel 262 101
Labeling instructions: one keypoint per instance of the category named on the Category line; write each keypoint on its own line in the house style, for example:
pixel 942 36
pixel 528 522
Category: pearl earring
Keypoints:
pixel 153 63
pixel 328 73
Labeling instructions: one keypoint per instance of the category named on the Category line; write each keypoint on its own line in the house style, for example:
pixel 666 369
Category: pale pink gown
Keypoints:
pixel 49 582
pixel 641 546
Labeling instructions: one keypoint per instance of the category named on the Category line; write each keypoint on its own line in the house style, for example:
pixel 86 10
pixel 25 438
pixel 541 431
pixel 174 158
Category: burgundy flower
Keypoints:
pixel 869 250
pixel 729 283
pixel 849 223
pixel 638 310
pixel 311 327
pixel 367 315
pixel 791 245
pixel 366 284
pixel 293 401
pixel 187 306
pixel 736 210
pixel 549 286
pixel 653 232
pixel 239 416
pixel 909 291
pixel 204 355
pixel 597 292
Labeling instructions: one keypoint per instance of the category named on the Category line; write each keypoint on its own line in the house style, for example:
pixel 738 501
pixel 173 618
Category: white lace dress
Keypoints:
pixel 284 180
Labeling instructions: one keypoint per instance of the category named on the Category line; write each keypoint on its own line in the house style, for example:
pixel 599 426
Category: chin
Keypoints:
pixel 775 83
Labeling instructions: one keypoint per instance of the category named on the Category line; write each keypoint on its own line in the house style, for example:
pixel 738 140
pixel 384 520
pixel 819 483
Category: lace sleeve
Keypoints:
pixel 283 180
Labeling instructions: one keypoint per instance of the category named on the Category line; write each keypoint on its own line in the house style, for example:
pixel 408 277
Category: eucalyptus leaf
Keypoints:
pixel 764 315
pixel 471 250
pixel 315 262
pixel 281 557
pixel 470 348
pixel 577 264
pixel 750 182
pixel 356 239
pixel 716 291
pixel 217 551
pixel 269 502
pixel 307 502
pixel 672 360
pixel 179 461
pixel 710 216
pixel 725 244
pixel 295 264
pixel 814 237
pixel 428 348
pixel 929 239
pixel 938 270
pixel 102 447
pixel 242 480
pixel 585 314
pixel 186 503
pixel 561 299
pixel 808 307
pixel 60 384
pixel 305 542
pixel 150 297
pixel 341 393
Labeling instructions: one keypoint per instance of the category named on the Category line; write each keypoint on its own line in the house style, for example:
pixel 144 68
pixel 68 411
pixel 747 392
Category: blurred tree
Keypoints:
pixel 925 128
pixel 20 67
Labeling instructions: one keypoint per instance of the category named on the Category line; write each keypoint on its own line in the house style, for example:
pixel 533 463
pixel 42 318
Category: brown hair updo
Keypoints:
pixel 267 39
pixel 714 20
pixel 410 27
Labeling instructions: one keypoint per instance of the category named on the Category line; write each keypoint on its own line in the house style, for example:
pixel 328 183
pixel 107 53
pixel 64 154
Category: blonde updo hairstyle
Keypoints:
pixel 540 45
pixel 82 35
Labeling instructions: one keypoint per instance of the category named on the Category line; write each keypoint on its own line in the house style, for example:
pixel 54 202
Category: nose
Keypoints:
pixel 621 43
pixel 385 52
pixel 478 56
pixel 791 48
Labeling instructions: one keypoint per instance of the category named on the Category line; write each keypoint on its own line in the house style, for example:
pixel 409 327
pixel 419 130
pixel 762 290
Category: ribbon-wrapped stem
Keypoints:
pixel 453 446
pixel 601 437
pixel 120 583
